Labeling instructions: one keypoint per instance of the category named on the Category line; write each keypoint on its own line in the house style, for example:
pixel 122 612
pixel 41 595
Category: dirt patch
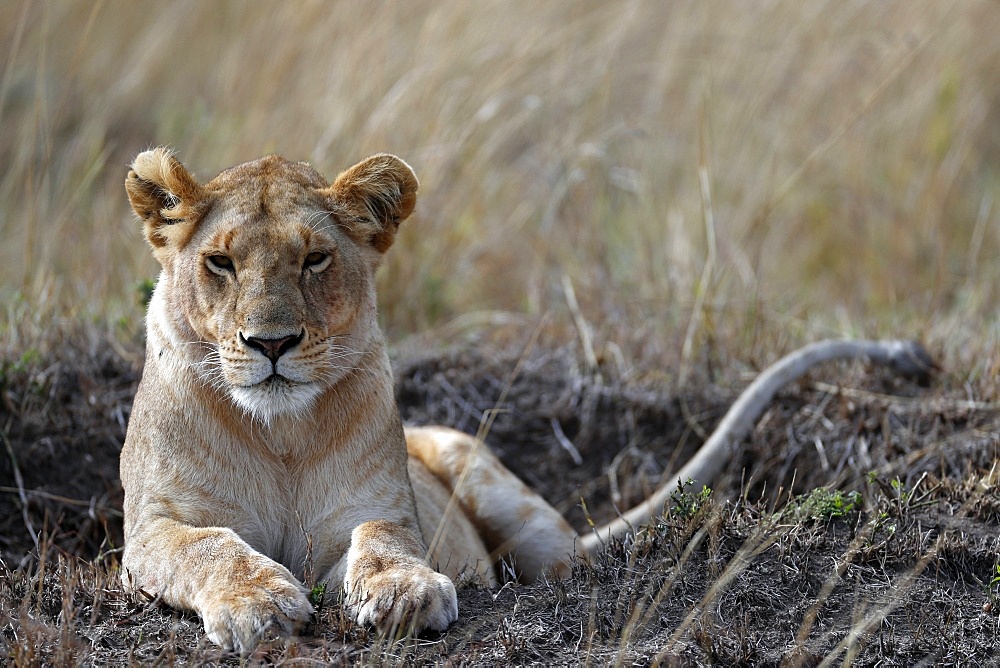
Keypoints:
pixel 898 574
pixel 62 424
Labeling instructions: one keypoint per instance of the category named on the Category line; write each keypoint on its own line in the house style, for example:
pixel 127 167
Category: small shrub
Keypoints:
pixel 687 504
pixel 824 503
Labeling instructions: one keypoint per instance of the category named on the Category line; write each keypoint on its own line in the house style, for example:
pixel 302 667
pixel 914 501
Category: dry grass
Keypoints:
pixel 849 154
pixel 717 181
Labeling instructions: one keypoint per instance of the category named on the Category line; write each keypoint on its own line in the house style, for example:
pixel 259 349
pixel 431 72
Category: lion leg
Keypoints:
pixel 458 549
pixel 239 593
pixel 513 520
pixel 389 584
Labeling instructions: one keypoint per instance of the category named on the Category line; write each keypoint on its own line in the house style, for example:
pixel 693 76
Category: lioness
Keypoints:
pixel 265 443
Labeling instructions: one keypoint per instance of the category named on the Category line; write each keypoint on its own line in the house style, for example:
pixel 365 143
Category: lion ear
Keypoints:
pixel 166 197
pixel 378 194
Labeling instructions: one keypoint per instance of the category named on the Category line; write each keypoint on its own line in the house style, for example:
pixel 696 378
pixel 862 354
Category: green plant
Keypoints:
pixel 317 593
pixel 881 522
pixel 992 588
pixel 145 289
pixel 902 498
pixel 824 503
pixel 903 495
pixel 19 366
pixel 686 504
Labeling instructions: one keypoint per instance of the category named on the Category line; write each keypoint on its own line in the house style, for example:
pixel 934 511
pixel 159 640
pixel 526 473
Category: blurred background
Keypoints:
pixel 741 175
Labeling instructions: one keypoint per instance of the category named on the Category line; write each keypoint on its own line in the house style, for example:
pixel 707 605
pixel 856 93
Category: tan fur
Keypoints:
pixel 264 442
pixel 235 464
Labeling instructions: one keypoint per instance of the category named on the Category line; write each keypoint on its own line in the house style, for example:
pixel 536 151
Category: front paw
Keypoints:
pixel 413 599
pixel 269 598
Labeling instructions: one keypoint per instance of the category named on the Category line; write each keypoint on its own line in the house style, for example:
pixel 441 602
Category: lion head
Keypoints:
pixel 267 287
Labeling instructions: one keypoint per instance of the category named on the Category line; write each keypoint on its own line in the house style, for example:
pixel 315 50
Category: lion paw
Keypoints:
pixel 271 599
pixel 412 599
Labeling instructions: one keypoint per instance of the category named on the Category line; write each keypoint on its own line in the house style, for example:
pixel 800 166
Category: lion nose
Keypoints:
pixel 273 348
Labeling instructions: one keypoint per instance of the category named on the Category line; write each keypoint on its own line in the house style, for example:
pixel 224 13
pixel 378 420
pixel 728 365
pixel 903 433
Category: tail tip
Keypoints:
pixel 911 360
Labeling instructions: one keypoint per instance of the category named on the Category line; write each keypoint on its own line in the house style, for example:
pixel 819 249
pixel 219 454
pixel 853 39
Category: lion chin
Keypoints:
pixel 275 397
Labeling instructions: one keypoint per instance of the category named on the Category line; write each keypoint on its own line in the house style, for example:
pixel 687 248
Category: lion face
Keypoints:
pixel 268 271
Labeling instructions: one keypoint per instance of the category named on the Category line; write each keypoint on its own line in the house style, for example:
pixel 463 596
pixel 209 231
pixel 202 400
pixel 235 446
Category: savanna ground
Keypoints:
pixel 627 210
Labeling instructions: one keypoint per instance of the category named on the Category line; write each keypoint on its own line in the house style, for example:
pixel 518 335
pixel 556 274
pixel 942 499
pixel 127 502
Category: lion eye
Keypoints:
pixel 220 264
pixel 316 261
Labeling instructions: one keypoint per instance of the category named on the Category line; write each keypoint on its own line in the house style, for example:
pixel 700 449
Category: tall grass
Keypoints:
pixel 837 161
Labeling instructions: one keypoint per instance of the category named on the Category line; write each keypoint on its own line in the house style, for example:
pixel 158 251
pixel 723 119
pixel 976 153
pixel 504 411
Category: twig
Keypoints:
pixel 19 481
pixel 582 327
pixel 60 499
pixel 564 441
pixel 704 283
pixel 955 404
